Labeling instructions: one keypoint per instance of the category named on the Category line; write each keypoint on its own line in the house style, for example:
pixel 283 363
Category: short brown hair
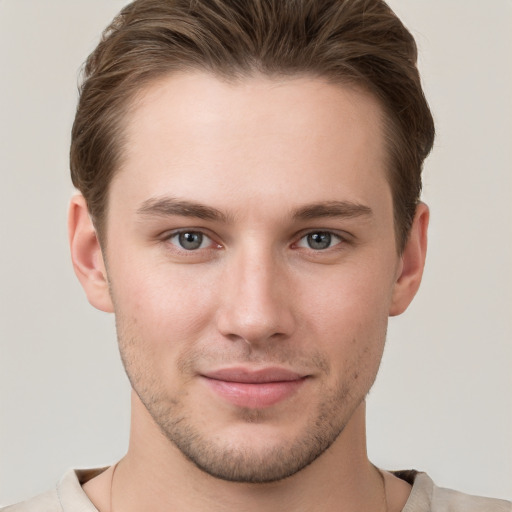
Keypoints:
pixel 346 41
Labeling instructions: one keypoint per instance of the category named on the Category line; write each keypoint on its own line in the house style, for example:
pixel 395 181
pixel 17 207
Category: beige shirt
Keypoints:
pixel 68 496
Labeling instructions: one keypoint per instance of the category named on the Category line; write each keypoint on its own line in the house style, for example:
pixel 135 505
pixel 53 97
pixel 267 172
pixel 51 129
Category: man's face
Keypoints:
pixel 252 264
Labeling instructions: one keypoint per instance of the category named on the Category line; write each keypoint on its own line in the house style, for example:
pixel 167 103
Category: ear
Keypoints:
pixel 412 262
pixel 86 255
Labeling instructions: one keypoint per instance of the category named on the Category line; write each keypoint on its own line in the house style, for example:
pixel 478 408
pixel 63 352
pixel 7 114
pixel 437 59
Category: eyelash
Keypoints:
pixel 176 235
pixel 338 239
pixel 330 234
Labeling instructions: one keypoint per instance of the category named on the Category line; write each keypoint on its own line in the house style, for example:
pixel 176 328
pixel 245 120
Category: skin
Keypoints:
pixel 254 167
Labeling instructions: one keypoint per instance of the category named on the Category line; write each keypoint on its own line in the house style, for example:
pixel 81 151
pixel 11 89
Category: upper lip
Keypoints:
pixel 254 376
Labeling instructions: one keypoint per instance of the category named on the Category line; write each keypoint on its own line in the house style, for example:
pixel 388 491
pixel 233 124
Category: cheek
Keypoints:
pixel 349 317
pixel 353 298
pixel 158 321
pixel 160 308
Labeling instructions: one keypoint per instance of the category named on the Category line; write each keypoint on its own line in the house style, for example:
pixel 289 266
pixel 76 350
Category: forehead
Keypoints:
pixel 195 135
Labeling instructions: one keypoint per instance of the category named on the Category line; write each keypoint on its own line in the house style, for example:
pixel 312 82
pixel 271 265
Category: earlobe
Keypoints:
pixel 412 262
pixel 86 255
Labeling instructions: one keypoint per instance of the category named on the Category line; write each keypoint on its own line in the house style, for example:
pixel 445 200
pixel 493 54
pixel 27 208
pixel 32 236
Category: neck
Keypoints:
pixel 154 475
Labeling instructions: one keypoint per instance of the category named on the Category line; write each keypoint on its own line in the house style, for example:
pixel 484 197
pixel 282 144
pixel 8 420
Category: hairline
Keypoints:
pixel 234 76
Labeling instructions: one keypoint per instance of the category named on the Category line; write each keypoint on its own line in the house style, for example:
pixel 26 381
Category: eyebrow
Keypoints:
pixel 169 206
pixel 345 209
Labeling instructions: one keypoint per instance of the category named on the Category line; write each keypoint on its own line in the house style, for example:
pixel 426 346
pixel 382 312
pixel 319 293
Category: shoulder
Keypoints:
pixel 447 500
pixel 47 502
pixel 68 496
pixel 428 497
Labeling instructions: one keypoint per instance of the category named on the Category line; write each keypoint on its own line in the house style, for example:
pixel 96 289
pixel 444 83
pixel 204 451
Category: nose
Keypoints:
pixel 256 302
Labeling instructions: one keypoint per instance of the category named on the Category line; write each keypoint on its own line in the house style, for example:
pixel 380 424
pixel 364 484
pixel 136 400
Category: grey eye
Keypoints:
pixel 319 240
pixel 189 240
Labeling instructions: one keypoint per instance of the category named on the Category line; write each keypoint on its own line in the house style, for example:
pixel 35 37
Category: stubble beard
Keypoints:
pixel 245 464
pixel 241 463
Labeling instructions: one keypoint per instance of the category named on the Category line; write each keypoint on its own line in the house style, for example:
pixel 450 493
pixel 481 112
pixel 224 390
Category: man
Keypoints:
pixel 249 177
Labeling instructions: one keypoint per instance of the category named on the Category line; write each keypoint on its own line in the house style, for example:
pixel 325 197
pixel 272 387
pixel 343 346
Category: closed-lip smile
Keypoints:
pixel 254 388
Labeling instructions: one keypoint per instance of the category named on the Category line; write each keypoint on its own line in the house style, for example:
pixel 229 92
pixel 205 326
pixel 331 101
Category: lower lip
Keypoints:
pixel 254 395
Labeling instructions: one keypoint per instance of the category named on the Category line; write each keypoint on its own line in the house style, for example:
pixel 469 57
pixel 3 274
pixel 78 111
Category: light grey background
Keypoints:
pixel 442 402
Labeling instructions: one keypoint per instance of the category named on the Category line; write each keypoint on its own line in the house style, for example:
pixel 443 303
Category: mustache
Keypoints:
pixel 196 358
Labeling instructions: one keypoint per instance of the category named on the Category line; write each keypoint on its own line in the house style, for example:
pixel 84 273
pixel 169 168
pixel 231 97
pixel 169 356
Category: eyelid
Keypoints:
pixel 169 235
pixel 176 240
pixel 343 236
pixel 335 241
